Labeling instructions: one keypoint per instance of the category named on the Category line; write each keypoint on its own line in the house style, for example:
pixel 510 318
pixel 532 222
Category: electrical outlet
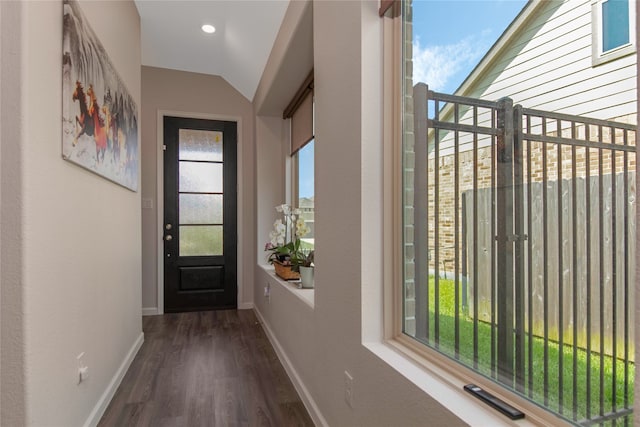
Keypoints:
pixel 83 369
pixel 267 292
pixel 348 389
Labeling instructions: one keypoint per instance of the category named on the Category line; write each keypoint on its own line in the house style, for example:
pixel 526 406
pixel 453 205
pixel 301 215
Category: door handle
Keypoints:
pixel 168 237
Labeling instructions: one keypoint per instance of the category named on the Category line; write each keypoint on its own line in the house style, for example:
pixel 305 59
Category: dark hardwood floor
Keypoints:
pixel 214 368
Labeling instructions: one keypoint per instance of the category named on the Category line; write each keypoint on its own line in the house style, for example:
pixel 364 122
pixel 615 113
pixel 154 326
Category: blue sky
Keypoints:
pixel 305 183
pixel 450 37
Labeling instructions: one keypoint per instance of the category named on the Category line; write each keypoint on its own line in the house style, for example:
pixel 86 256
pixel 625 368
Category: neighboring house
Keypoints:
pixel 573 56
pixel 306 205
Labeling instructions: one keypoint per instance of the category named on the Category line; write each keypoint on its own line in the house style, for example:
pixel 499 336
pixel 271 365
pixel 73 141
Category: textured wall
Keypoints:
pixel 12 398
pixel 74 241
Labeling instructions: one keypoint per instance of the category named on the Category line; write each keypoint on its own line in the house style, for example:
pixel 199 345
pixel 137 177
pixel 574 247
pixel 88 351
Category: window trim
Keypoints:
pixel 598 57
pixel 392 192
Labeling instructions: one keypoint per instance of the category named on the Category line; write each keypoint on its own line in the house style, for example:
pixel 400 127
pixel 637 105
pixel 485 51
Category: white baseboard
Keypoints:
pixel 149 311
pixel 306 397
pixel 245 306
pixel 106 397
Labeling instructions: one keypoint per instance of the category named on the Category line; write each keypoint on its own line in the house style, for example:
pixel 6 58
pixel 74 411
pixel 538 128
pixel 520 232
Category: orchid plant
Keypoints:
pixel 285 245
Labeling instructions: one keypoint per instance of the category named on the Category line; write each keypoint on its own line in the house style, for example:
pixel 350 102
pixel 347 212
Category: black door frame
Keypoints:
pixel 159 309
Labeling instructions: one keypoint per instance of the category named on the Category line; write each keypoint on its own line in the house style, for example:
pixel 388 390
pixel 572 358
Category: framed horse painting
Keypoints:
pixel 99 116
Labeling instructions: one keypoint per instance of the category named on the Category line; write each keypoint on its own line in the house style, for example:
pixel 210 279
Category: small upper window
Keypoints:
pixel 615 24
pixel 613 29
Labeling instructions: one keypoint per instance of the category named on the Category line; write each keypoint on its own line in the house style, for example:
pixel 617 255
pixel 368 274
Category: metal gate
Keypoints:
pixel 533 214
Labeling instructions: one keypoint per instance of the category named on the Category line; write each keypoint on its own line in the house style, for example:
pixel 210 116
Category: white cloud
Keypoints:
pixel 437 65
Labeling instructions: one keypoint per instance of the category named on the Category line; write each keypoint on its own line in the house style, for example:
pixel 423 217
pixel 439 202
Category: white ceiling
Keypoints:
pixel 237 51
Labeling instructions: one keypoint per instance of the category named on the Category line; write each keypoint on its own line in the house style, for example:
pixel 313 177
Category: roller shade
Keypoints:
pixel 302 124
pixel 389 8
pixel 300 111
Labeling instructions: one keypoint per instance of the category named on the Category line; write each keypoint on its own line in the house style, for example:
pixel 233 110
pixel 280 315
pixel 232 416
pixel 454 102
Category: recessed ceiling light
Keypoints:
pixel 208 28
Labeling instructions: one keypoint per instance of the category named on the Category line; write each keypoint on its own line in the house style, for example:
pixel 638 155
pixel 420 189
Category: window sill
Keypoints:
pixel 446 388
pixel 612 55
pixel 306 295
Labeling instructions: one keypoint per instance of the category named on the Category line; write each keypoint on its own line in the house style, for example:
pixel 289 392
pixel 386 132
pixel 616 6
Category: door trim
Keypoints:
pixel 160 200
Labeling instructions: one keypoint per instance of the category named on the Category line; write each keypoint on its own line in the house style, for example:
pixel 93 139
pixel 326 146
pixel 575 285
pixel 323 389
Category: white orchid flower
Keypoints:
pixel 277 235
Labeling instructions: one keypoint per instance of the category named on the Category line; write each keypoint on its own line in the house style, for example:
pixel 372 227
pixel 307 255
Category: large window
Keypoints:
pixel 518 225
pixel 301 111
pixel 613 26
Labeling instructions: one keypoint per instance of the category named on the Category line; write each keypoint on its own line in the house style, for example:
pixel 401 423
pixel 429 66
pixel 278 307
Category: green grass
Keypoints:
pixel 556 354
pixel 306 246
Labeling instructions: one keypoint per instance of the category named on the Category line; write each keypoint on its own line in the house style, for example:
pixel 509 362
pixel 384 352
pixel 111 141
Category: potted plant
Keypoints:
pixel 304 263
pixel 284 245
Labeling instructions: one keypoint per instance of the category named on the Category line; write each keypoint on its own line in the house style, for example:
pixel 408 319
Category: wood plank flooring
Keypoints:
pixel 214 368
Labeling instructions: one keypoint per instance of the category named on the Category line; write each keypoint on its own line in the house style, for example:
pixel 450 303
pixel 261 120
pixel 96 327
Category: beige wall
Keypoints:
pixel 11 299
pixel 320 343
pixel 183 93
pixel 70 239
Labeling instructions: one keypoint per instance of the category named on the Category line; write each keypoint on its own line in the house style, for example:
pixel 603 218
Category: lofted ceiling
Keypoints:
pixel 237 51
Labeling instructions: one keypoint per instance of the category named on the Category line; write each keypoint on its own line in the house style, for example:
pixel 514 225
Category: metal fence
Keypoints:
pixel 534 213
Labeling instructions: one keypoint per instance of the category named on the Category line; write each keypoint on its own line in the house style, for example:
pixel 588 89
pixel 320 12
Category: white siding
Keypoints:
pixel 547 66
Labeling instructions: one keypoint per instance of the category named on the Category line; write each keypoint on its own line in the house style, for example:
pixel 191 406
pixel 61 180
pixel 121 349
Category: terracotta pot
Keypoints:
pixel 285 272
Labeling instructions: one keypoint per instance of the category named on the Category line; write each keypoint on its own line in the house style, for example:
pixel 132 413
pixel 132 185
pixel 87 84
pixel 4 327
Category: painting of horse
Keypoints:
pixel 99 116
pixel 84 123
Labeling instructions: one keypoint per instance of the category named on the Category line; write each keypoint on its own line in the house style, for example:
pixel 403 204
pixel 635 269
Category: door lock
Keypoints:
pixel 168 226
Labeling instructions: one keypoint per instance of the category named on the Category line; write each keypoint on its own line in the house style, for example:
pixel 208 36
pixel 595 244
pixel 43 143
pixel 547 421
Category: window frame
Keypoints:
pixel 599 56
pixel 294 159
pixel 433 366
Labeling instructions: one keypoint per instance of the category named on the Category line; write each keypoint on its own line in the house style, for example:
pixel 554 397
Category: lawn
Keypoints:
pixel 559 397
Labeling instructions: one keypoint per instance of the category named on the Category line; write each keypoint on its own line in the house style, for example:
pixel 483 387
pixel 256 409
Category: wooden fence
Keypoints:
pixel 595 286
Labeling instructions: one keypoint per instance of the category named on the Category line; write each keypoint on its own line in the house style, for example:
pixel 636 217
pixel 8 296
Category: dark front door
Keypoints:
pixel 199 214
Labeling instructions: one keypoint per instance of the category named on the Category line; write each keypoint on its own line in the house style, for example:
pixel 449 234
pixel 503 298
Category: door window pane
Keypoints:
pixel 200 209
pixel 198 177
pixel 200 240
pixel 201 145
